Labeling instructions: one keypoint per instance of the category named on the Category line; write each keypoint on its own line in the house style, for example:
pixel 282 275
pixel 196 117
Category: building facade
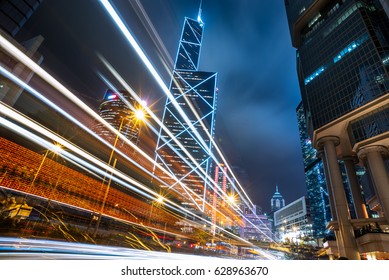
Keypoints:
pixel 342 65
pixel 257 226
pixel 118 109
pixel 277 201
pixel 185 149
pixel 293 222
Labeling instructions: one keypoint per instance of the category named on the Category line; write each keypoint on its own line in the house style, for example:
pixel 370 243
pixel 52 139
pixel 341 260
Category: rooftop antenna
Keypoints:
pixel 199 14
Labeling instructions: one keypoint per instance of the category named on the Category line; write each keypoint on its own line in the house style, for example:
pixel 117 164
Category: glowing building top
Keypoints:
pixel 277 201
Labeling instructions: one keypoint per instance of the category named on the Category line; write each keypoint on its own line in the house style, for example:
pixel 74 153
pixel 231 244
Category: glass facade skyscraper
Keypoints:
pixel 314 180
pixel 337 36
pixel 118 114
pixel 342 65
pixel 194 94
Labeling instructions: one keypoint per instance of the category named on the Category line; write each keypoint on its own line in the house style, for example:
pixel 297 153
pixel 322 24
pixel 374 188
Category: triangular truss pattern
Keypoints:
pixel 193 91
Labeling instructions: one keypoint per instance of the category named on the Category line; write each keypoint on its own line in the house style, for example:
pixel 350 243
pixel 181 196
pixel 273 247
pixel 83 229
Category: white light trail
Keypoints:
pixel 118 21
pixel 47 77
pixel 102 167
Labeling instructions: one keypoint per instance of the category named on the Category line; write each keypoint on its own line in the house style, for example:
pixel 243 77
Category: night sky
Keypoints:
pixel 246 41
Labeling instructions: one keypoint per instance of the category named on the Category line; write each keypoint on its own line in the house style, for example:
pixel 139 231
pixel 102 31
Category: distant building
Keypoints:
pixel 314 180
pixel 293 222
pixel 120 115
pixel 277 201
pixel 222 196
pixel 257 226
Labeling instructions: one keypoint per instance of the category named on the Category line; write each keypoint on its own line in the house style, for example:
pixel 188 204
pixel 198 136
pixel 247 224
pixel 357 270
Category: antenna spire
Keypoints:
pixel 199 14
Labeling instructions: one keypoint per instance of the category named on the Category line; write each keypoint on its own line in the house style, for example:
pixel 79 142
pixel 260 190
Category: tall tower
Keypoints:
pixel 118 114
pixel 195 93
pixel 343 70
pixel 277 201
pixel 314 180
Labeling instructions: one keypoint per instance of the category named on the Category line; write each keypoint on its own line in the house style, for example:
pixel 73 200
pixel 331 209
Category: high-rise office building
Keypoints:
pixel 120 115
pixel 190 120
pixel 314 180
pixel 257 227
pixel 342 65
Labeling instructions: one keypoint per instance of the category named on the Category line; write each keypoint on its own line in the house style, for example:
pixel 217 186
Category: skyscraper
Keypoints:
pixel 190 119
pixel 314 180
pixel 277 201
pixel 118 114
pixel 342 64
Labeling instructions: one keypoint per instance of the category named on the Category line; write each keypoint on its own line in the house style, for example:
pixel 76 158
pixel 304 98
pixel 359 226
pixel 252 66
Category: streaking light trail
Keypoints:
pixel 15 52
pixel 116 18
pixel 98 167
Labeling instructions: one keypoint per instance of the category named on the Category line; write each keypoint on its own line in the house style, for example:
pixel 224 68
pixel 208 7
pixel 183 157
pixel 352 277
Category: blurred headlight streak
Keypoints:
pixel 118 21
pixel 47 77
pixel 114 174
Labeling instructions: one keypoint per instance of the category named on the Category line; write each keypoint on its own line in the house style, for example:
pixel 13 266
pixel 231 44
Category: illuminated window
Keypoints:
pixel 349 48
pixel 314 75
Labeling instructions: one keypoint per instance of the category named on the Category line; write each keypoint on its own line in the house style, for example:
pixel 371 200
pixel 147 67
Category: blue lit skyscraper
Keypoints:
pixel 314 180
pixel 195 93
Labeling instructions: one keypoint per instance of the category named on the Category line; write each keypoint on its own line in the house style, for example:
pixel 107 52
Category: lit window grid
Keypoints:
pixel 322 49
pixel 337 85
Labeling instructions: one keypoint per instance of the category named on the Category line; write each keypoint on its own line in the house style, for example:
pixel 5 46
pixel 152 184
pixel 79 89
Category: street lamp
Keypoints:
pixel 231 199
pixel 159 200
pixel 139 116
pixel 56 149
